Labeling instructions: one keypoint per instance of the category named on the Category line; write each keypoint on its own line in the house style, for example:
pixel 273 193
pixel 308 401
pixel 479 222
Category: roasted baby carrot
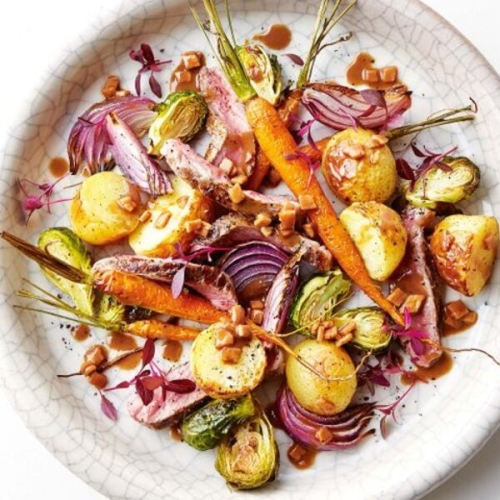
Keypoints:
pixel 286 111
pixel 279 146
pixel 134 290
pixel 155 329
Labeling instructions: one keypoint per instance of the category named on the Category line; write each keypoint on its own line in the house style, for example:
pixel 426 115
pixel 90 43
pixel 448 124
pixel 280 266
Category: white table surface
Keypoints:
pixel 30 31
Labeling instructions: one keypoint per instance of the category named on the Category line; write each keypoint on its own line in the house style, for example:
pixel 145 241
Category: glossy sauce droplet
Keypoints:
pixel 276 37
pixel 80 332
pixel 175 432
pixel 58 167
pixel 172 350
pixel 184 75
pixel 130 362
pixel 437 370
pixel 120 342
pixel 300 456
pixel 363 72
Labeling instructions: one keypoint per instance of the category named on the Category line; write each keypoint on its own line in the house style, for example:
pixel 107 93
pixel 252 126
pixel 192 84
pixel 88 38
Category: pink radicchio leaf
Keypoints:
pixel 108 408
pixel 148 352
pixel 336 106
pixel 296 59
pixel 143 392
pixel 133 160
pixel 404 170
pixel 152 383
pixel 178 282
pixel 180 386
pixel 374 97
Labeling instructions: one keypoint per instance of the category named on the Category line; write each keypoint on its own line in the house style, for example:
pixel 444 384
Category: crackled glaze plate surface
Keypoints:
pixel 441 425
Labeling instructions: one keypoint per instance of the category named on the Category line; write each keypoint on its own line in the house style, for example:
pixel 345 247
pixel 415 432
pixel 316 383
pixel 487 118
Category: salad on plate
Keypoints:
pixel 281 231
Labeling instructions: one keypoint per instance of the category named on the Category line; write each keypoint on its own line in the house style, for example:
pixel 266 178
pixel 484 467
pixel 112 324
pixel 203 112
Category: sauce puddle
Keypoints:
pixel 276 37
pixel 437 370
pixel 363 72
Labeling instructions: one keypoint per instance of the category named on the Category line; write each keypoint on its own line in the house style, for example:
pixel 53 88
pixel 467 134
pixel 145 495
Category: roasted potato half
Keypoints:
pixel 319 396
pixel 379 234
pixel 359 166
pixel 464 248
pixel 167 224
pixel 221 379
pixel 105 209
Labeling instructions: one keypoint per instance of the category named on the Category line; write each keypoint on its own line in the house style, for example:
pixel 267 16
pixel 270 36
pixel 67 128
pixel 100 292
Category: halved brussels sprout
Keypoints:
pixel 180 116
pixel 64 244
pixel 109 310
pixel 248 456
pixel 441 185
pixel 317 298
pixel 205 427
pixel 263 70
pixel 371 333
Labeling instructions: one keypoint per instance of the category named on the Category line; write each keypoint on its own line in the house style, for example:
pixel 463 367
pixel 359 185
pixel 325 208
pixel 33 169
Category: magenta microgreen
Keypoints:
pixel 34 202
pixel 108 408
pixel 151 377
pixel 389 410
pixel 146 58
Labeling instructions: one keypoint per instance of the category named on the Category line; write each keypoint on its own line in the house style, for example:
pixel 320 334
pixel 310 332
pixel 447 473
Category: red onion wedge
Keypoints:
pixel 252 267
pixel 342 107
pixel 88 143
pixel 131 156
pixel 280 295
pixel 341 431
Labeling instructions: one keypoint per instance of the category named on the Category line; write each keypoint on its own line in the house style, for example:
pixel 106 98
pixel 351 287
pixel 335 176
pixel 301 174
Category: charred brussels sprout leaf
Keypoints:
pixel 64 244
pixel 180 116
pixel 317 298
pixel 204 428
pixel 452 182
pixel 371 333
pixel 263 70
pixel 109 310
pixel 248 456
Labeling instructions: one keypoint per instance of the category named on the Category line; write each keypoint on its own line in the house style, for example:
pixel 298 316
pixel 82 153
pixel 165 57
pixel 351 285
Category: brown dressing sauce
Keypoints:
pixel 276 37
pixel 411 283
pixel 448 330
pixel 130 362
pixel 437 370
pixel 300 456
pixel 172 350
pixel 175 432
pixel 120 342
pixel 58 167
pixel 192 73
pixel 363 72
pixel 80 332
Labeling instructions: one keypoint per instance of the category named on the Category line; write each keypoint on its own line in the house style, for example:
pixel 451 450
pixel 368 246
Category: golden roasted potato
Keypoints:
pixel 320 396
pixel 464 248
pixel 105 209
pixel 359 166
pixel 221 379
pixel 379 234
pixel 168 222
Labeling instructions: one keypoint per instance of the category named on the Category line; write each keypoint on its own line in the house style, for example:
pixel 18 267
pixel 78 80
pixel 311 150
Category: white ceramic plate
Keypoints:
pixel 442 424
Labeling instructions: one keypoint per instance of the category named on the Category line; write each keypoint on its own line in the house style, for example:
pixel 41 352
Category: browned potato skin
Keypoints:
pixel 464 248
pixel 372 177
pixel 147 239
pixel 97 212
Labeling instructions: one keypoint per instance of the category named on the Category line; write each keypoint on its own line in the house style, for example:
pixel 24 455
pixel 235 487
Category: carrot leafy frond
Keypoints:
pixel 326 20
pixel 225 50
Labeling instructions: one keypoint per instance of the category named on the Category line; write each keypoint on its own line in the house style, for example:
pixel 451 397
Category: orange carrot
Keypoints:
pixel 286 110
pixel 277 143
pixel 155 329
pixel 134 290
